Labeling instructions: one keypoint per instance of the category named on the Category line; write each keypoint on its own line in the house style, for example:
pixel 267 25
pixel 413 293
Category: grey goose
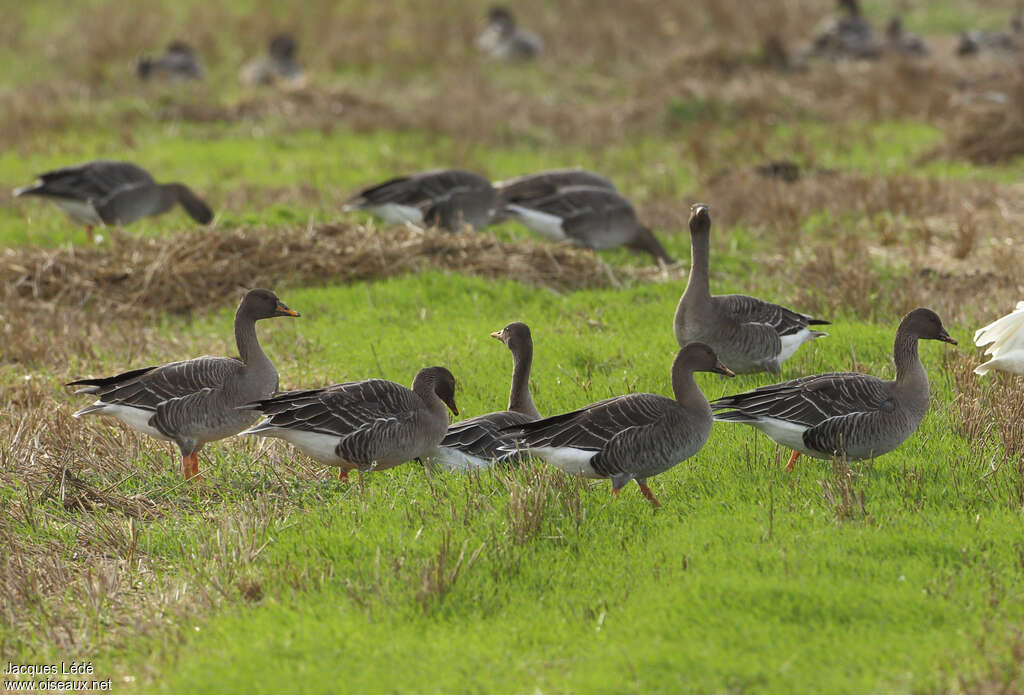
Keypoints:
pixel 103 192
pixel 277 67
pixel 178 62
pixel 899 42
pixel 477 442
pixel 522 190
pixel 748 334
pixel 973 41
pixel 365 425
pixel 502 39
pixel 194 402
pixel 589 216
pixel 856 416
pixel 848 36
pixel 631 437
pixel 447 198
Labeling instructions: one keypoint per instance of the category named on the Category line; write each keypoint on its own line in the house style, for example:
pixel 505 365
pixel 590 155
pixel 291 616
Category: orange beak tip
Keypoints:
pixel 496 334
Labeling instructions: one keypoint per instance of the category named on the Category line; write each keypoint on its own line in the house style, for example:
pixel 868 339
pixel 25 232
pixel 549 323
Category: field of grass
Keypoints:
pixel 903 574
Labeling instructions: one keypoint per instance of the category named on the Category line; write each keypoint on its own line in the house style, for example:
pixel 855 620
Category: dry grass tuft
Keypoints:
pixel 989 129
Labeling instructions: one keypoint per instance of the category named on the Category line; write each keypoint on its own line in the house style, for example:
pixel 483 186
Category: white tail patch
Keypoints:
pixel 313 444
pixel 136 418
pixel 452 459
pixel 785 433
pixel 397 214
pixel 792 342
pixel 568 459
pixel 542 223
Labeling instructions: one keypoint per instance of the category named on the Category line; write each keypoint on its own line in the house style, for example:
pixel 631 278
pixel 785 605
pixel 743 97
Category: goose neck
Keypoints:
pixel 519 398
pixel 698 283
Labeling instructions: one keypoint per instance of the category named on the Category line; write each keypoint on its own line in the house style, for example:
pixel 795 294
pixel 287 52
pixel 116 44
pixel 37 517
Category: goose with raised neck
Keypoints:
pixel 845 414
pixel 196 401
pixel 748 334
pixel 366 425
pixel 631 437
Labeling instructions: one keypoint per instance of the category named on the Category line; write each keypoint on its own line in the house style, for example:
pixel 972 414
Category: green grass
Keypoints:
pixel 747 579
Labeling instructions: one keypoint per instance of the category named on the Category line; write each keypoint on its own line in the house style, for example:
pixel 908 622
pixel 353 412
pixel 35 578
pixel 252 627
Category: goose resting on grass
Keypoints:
pixel 748 334
pixel 501 39
pixel 103 192
pixel 365 425
pixel 855 416
pixel 597 218
pixel 630 437
pixel 447 198
pixel 476 443
pixel 1005 340
pixel 277 67
pixel 195 402
pixel 178 62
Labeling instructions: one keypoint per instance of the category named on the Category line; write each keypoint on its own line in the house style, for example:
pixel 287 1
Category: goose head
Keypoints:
pixel 500 17
pixel 515 335
pixel 441 382
pixel 699 357
pixel 925 324
pixel 263 304
pixel 700 218
pixel 282 47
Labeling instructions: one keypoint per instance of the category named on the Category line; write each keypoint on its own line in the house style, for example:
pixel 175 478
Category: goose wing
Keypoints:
pixel 526 189
pixel 592 427
pixel 483 437
pixel 594 217
pixel 753 310
pixel 421 190
pixel 1003 334
pixel 92 180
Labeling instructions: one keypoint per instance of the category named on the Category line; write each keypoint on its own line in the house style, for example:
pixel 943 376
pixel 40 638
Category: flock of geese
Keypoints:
pixel 377 424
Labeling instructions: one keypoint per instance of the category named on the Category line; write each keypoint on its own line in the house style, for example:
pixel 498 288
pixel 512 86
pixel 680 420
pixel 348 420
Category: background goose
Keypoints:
pixel 448 198
pixel 503 40
pixel 366 425
pixel 848 36
pixel 748 334
pixel 195 402
pixel 856 416
pixel 597 218
pixel 477 442
pixel 178 62
pixel 1005 340
pixel 900 42
pixel 524 190
pixel 103 192
pixel 629 437
pixel 278 66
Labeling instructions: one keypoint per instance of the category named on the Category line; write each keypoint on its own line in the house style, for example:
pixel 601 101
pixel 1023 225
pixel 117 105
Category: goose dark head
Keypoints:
pixel 925 324
pixel 515 335
pixel 698 357
pixel 501 16
pixel 180 48
pixel 700 218
pixel 282 47
pixel 263 304
pixel 441 382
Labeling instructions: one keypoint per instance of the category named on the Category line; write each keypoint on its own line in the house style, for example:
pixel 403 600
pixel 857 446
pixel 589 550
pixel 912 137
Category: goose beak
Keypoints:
pixel 722 369
pixel 496 334
pixel 946 338
pixel 450 402
pixel 282 310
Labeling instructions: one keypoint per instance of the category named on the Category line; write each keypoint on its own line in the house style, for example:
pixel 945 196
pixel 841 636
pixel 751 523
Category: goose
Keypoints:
pixel 596 218
pixel 1005 340
pixel 748 334
pixel 103 192
pixel 631 437
pixel 365 425
pixel 847 36
pixel 900 42
pixel 503 40
pixel 278 66
pixel 475 443
pixel 857 416
pixel 178 62
pixel 974 41
pixel 194 402
pixel 448 198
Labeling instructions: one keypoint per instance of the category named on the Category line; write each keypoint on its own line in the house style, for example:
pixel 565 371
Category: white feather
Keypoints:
pixel 568 459
pixel 1005 340
pixel 393 213
pixel 546 225
pixel 313 444
pixel 786 433
pixel 791 342
pixel 136 418
pixel 79 211
pixel 452 459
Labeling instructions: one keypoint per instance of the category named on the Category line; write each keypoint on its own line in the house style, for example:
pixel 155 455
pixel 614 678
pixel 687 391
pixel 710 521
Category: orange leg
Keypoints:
pixel 343 475
pixel 792 460
pixel 649 495
pixel 190 466
pixel 89 233
pixel 616 491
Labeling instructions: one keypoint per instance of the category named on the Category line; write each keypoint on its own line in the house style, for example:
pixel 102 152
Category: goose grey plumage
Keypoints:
pixel 475 443
pixel 899 42
pixel 178 62
pixel 365 425
pixel 856 416
pixel 502 39
pixel 848 36
pixel 448 198
pixel 749 335
pixel 196 401
pixel 103 192
pixel 597 218
pixel 630 437
pixel 525 189
pixel 278 66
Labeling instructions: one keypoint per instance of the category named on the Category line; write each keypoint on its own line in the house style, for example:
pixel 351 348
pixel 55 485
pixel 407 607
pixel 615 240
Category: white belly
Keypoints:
pixel 79 211
pixel 313 444
pixel 136 418
pixel 568 459
pixel 542 223
pixel 451 459
pixel 785 433
pixel 397 214
pixel 791 342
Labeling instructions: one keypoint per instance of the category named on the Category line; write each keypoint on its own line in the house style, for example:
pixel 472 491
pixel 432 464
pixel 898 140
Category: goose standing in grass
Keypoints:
pixel 502 39
pixel 848 36
pixel 195 402
pixel 103 192
pixel 365 425
pixel 855 416
pixel 596 218
pixel 277 67
pixel 447 198
pixel 477 442
pixel 178 62
pixel 630 437
pixel 748 334
pixel 899 42
pixel 1005 340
